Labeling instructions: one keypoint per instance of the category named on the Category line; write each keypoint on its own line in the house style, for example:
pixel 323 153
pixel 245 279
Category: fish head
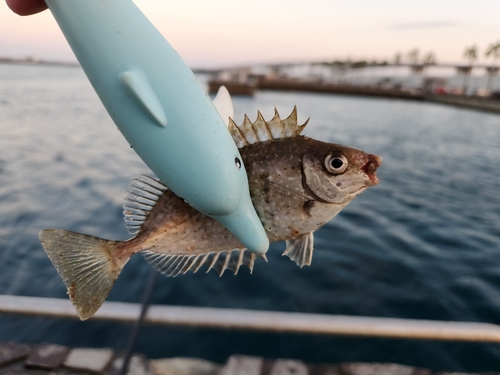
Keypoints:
pixel 337 174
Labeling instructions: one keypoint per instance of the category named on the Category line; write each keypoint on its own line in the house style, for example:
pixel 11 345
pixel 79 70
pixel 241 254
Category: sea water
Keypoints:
pixel 423 244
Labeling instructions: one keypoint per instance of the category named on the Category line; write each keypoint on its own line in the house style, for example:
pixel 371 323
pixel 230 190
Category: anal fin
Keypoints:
pixel 220 261
pixel 300 249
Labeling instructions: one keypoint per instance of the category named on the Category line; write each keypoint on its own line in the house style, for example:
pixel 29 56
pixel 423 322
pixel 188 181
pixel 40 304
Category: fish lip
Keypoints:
pixel 361 189
pixel 355 193
pixel 373 180
pixel 370 168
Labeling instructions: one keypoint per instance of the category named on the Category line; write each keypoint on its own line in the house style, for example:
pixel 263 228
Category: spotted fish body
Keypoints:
pixel 297 185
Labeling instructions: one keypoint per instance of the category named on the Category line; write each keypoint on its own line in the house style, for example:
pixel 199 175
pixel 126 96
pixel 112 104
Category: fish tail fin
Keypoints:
pixel 86 264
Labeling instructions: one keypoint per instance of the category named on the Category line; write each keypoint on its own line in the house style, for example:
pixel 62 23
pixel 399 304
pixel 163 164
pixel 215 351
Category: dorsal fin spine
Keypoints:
pixel 275 127
pixel 302 127
pixel 238 137
pixel 261 129
pixel 264 131
pixel 248 131
pixel 290 123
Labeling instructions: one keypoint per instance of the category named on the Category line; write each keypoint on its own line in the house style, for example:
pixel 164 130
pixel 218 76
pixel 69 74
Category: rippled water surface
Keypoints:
pixel 423 244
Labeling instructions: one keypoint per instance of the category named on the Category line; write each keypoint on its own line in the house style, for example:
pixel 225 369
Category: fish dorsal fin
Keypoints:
pixel 300 249
pixel 173 265
pixel 263 131
pixel 142 195
pixel 248 131
pixel 236 133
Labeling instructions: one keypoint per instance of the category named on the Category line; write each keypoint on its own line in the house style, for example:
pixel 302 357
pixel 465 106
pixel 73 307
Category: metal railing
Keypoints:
pixel 266 321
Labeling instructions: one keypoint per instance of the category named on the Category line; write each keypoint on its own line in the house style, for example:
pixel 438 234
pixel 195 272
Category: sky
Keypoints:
pixel 225 33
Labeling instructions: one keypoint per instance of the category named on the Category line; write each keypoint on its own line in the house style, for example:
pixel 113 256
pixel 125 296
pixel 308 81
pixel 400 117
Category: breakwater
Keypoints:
pixel 470 102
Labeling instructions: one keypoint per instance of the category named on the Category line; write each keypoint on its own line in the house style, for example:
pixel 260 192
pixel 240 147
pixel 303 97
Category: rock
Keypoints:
pixel 18 368
pixel 10 352
pixel 138 365
pixel 242 365
pixel 323 369
pixel 91 360
pixel 380 369
pixel 184 366
pixel 47 357
pixel 289 367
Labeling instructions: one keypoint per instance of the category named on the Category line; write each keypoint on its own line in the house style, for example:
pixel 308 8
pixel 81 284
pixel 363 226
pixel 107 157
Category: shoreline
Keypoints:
pixel 30 62
pixel 467 102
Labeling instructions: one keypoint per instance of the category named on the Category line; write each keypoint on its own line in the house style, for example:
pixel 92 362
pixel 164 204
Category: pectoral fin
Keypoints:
pixel 300 249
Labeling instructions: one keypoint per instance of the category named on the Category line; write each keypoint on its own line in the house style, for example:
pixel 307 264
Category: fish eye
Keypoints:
pixel 237 162
pixel 336 164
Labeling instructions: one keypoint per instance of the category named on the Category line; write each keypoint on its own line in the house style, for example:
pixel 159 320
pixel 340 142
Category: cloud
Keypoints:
pixel 425 25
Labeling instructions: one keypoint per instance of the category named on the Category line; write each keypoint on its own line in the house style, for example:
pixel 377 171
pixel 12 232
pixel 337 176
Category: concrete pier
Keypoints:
pixel 49 359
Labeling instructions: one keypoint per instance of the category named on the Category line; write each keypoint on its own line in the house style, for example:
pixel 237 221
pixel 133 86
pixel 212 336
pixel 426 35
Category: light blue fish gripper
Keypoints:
pixel 161 109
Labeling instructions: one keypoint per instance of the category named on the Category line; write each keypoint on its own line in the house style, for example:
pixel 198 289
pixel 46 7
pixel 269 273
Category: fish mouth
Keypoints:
pixel 357 192
pixel 371 166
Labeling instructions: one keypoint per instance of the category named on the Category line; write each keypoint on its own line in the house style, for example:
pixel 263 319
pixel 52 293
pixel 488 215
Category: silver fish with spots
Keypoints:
pixel 297 185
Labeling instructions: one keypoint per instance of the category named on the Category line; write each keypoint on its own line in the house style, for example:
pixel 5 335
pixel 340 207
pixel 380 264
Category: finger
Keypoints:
pixel 26 7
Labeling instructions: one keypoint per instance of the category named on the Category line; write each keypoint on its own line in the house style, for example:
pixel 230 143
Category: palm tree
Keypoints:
pixel 398 57
pixel 413 59
pixel 470 54
pixel 493 51
pixel 428 59
pixel 413 56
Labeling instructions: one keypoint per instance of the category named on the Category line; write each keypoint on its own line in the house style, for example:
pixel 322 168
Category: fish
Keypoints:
pixel 297 184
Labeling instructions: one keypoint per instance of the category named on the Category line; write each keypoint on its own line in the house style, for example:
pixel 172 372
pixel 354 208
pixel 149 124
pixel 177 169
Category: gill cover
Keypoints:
pixel 322 184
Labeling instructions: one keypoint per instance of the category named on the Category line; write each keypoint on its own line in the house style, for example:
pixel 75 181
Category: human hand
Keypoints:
pixel 26 7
